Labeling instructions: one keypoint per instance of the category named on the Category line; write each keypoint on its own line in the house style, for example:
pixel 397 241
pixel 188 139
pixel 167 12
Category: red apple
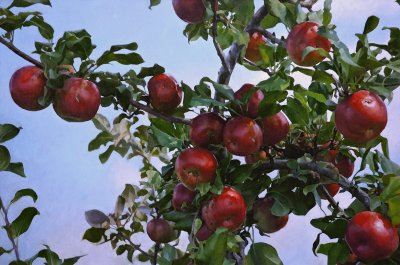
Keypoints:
pixel 371 236
pixel 275 128
pixel 302 36
pixel 332 188
pixel 27 86
pixel 196 165
pixel 164 92
pixel 242 136
pixel 206 129
pixel 257 156
pixel 160 231
pixel 225 210
pixel 204 233
pixel 190 11
pixel 182 198
pixel 361 117
pixel 265 220
pixel 251 108
pixel 253 47
pixel 78 100
pixel 343 163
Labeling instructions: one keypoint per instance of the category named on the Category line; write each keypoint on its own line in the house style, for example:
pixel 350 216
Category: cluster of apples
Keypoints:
pixel 78 100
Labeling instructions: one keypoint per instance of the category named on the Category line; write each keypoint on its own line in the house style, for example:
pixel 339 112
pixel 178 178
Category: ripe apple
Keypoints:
pixel 302 36
pixel 332 188
pixel 204 233
pixel 371 236
pixel 27 86
pixel 190 11
pixel 343 163
pixel 361 117
pixel 160 231
pixel 164 92
pixel 253 51
pixel 251 108
pixel 78 100
pixel 275 128
pixel 225 210
pixel 257 156
pixel 182 198
pixel 206 129
pixel 195 165
pixel 265 220
pixel 242 136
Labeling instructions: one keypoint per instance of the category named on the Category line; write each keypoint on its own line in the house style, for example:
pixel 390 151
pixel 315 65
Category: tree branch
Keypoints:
pixel 136 247
pixel 7 228
pixel 20 53
pixel 158 114
pixel 156 250
pixel 361 195
pixel 331 200
pixel 218 48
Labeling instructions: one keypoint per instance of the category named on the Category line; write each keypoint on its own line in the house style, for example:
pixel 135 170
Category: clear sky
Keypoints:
pixel 69 180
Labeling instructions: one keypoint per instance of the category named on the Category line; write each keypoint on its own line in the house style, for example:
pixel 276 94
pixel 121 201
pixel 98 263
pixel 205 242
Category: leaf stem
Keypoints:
pixel 8 230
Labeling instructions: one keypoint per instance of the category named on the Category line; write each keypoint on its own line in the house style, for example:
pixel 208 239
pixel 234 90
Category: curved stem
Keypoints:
pixel 20 53
pixel 7 228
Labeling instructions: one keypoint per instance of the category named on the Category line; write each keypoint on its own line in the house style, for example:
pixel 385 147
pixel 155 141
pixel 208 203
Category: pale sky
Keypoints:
pixel 69 180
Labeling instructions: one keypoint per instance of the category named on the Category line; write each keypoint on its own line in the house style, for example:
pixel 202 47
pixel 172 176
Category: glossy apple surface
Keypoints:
pixel 361 117
pixel 251 108
pixel 265 220
pixel 242 136
pixel 190 11
pixel 275 128
pixel 206 129
pixel 253 47
pixel 182 198
pixel 27 86
pixel 160 231
pixel 371 236
pixel 164 92
pixel 302 36
pixel 78 100
pixel 195 165
pixel 225 210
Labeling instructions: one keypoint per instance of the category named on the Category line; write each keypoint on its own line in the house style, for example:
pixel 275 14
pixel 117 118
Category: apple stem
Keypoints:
pixel 20 53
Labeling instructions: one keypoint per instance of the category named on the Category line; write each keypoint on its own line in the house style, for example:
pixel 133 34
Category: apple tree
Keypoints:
pixel 219 164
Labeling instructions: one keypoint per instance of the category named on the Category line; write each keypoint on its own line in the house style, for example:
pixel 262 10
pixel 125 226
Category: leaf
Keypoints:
pixel 278 10
pixel 101 139
pixel 371 24
pixel 44 29
pixel 16 168
pixel 97 219
pixel 327 15
pixel 24 193
pixel 214 250
pixel 7 132
pixel 262 253
pixel 122 58
pixel 151 71
pixel 391 187
pixel 21 224
pixel 26 3
pixel 154 3
pixel 94 235
pixel 4 158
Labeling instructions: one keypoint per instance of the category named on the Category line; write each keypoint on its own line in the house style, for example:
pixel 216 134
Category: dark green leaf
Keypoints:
pixel 215 248
pixel 4 158
pixel 16 168
pixel 262 253
pixel 151 71
pixel 21 224
pixel 101 139
pixel 94 235
pixel 371 24
pixel 26 3
pixel 7 132
pixel 25 193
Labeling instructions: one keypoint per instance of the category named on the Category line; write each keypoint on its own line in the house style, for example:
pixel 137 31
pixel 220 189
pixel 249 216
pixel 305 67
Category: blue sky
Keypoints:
pixel 70 180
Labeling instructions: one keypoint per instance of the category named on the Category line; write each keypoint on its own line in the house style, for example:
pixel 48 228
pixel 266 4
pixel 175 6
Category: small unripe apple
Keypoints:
pixel 27 86
pixel 78 100
pixel 160 231
pixel 275 128
pixel 164 92
pixel 225 210
pixel 206 129
pixel 302 36
pixel 361 117
pixel 242 136
pixel 371 236
pixel 257 156
pixel 204 233
pixel 190 11
pixel 265 220
pixel 253 47
pixel 251 108
pixel 194 166
pixel 182 198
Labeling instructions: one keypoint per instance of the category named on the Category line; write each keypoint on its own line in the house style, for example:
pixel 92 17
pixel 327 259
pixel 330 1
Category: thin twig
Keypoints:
pixel 136 247
pixel 8 230
pixel 158 114
pixel 20 53
pixel 218 48
pixel 361 195
pixel 266 70
pixel 331 200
